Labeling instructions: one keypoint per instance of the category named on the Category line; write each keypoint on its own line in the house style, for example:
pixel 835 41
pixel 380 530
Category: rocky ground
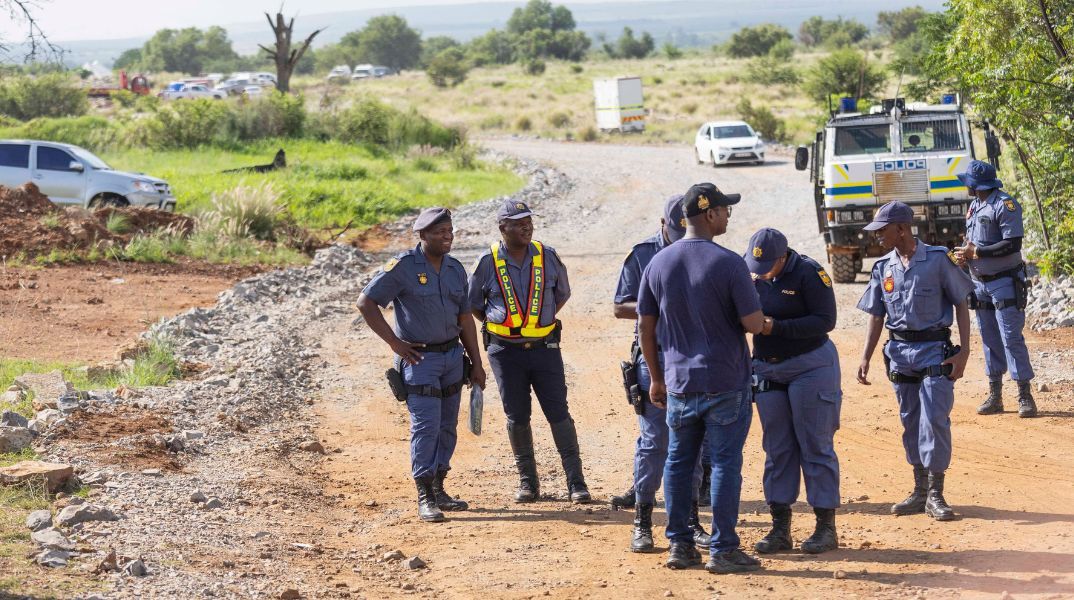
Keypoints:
pixel 279 468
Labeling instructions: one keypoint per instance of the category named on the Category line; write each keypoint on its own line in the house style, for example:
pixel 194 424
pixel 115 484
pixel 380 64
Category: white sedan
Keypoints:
pixel 180 90
pixel 726 142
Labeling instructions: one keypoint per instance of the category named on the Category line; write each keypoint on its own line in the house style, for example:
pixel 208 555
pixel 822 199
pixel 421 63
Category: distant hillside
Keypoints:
pixel 686 22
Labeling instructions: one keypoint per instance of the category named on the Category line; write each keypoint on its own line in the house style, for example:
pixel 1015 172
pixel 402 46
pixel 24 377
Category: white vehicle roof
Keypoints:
pixel 727 123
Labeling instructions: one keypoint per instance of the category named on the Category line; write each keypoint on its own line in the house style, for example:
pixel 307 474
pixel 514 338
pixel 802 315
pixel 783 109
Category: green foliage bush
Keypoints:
pixel 448 68
pixel 533 67
pixel 844 71
pixel 559 119
pixel 274 115
pixel 762 120
pixel 89 132
pixel 756 41
pixel 50 95
pixel 187 124
pixel 768 70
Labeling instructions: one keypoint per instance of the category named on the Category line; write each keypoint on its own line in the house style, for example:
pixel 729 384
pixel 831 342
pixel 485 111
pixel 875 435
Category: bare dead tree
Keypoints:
pixel 282 54
pixel 35 42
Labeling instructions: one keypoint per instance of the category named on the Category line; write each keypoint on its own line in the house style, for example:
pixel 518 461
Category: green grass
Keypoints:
pixel 327 184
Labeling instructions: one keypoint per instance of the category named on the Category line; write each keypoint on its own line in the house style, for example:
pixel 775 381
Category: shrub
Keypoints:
pixel 275 115
pixel 761 118
pixel 125 98
pixel 533 67
pixel 768 70
pixel 689 108
pixel 426 164
pixel 51 220
pixel 90 132
pixel 187 124
pixel 588 134
pixel 756 41
pixel 844 71
pixel 50 95
pixel 523 123
pixel 117 223
pixel 492 122
pixel 559 119
pixel 576 68
pixel 448 68
pixel 245 211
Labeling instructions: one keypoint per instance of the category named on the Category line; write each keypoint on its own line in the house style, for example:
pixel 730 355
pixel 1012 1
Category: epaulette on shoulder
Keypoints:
pixel 395 260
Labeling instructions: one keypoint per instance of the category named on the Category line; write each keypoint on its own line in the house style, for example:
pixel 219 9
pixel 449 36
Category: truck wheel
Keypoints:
pixel 857 264
pixel 843 268
pixel 104 200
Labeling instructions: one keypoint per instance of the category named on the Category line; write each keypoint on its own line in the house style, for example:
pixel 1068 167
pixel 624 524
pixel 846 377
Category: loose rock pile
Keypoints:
pixel 1051 302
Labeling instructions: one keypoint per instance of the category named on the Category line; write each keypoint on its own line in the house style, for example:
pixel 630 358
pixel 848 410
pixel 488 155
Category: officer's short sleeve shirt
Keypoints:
pixel 990 221
pixel 630 275
pixel 427 304
pixel 917 297
pixel 485 294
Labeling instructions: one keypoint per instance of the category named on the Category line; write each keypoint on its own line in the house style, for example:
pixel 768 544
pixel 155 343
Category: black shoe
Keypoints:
pixel 779 538
pixel 443 499
pixel 427 509
pixel 733 561
pixel 1027 408
pixel 824 537
pixel 521 437
pixel 993 404
pixel 627 500
pixel 936 506
pixel 704 493
pixel 642 537
pixel 566 439
pixel 915 502
pixel 682 556
pixel 701 537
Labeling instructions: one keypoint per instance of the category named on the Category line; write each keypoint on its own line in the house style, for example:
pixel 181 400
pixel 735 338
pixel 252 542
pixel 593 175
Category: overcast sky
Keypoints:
pixel 114 19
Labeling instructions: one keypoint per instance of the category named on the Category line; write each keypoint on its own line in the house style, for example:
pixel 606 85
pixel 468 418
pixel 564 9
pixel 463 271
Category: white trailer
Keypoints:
pixel 619 104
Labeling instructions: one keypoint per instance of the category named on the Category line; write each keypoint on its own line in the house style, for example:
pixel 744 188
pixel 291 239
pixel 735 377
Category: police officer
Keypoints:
pixel 651 448
pixel 427 288
pixel 517 288
pixel 695 299
pixel 993 251
pixel 916 290
pixel 796 388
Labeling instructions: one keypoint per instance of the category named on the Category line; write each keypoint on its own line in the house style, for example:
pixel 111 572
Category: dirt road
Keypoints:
pixel 1012 481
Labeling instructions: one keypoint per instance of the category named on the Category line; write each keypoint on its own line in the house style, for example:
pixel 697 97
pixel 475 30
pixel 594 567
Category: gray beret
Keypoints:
pixel 431 216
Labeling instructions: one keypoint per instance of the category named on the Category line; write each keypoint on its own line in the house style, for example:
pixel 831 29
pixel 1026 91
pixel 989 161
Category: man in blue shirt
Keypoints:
pixel 651 448
pixel 695 299
pixel 517 288
pixel 796 387
pixel 427 288
pixel 993 251
pixel 916 290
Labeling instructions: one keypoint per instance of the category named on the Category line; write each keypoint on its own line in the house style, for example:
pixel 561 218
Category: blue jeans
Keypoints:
pixel 725 419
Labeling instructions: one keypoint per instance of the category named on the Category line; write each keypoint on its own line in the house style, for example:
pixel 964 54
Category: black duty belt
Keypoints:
pixel 1012 272
pixel 925 335
pixel 435 392
pixel 933 371
pixel 548 341
pixel 447 346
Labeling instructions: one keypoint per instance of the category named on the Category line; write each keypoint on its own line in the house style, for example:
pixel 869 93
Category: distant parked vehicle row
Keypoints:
pixel 344 73
pixel 71 175
pixel 216 86
pixel 181 90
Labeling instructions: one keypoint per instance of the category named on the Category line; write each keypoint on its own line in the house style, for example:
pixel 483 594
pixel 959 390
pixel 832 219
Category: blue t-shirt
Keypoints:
pixel 699 291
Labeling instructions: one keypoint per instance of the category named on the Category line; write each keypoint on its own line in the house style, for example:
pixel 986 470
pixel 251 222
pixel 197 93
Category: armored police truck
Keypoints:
pixel 895 151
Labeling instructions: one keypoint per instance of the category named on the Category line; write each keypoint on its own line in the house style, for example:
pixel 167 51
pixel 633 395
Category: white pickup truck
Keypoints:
pixel 180 90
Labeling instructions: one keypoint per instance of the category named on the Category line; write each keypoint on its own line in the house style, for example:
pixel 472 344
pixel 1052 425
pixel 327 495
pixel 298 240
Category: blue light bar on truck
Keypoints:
pixel 848 104
pixel 949 99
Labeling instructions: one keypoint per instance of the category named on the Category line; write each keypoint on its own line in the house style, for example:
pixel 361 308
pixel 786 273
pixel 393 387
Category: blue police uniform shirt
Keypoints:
pixel 917 297
pixel 427 304
pixel 634 265
pixel 802 302
pixel 990 221
pixel 699 291
pixel 485 294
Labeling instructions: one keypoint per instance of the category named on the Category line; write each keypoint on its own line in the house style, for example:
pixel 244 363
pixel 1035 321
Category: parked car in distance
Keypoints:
pixel 253 90
pixel 264 78
pixel 181 90
pixel 339 73
pixel 371 71
pixel 72 175
pixel 727 142
pixel 233 87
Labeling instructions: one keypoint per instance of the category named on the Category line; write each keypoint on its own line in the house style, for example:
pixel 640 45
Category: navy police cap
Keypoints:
pixel 892 212
pixel 766 246
pixel 431 216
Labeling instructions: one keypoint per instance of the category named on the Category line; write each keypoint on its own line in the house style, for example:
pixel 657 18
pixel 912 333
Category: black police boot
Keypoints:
pixel 626 500
pixel 779 538
pixel 682 555
pixel 529 485
pixel 443 499
pixel 993 404
pixel 732 561
pixel 824 537
pixel 704 493
pixel 1027 408
pixel 915 502
pixel 936 507
pixel 701 537
pixel 427 509
pixel 566 438
pixel 642 538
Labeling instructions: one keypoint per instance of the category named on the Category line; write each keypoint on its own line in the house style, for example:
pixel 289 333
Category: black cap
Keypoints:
pixel 892 212
pixel 673 219
pixel 431 216
pixel 766 246
pixel 513 209
pixel 703 196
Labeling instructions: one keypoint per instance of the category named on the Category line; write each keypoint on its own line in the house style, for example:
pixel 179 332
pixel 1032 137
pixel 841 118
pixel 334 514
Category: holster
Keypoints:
pixel 636 397
pixel 396 383
pixel 467 368
pixel 1021 292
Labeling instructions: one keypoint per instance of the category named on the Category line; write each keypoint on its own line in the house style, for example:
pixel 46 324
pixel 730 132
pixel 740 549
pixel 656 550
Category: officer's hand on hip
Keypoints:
pixel 958 365
pixel 408 352
pixel 477 376
pixel 658 394
pixel 863 372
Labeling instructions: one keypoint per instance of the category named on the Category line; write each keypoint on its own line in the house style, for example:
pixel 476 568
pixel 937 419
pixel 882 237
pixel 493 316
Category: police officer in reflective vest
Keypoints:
pixel 796 388
pixel 427 288
pixel 517 288
pixel 651 448
pixel 993 251
pixel 916 291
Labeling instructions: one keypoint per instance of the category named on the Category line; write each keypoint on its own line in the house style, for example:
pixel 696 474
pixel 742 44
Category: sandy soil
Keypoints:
pixel 1012 480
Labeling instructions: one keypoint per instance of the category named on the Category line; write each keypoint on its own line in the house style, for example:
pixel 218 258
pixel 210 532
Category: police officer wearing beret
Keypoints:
pixel 916 291
pixel 993 251
pixel 651 448
pixel 427 288
pixel 796 388
pixel 517 288
pixel 695 299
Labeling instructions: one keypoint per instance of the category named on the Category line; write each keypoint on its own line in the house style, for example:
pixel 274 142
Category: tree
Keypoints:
pixel 627 46
pixel 128 59
pixel 836 33
pixel 285 57
pixel 542 30
pixel 900 24
pixel 388 40
pixel 186 50
pixel 671 51
pixel 845 72
pixel 540 14
pixel 37 45
pixel 756 41
pixel 433 46
pixel 448 68
pixel 494 48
